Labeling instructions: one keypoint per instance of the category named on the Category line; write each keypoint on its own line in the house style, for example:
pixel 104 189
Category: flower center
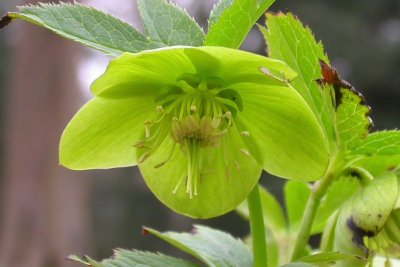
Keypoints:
pixel 197 113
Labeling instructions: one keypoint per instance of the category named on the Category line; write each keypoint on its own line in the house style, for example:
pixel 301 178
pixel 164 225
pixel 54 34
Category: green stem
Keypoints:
pixel 257 228
pixel 317 193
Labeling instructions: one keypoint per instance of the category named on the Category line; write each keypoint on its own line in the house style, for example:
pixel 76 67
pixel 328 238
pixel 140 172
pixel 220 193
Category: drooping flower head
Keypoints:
pixel 201 123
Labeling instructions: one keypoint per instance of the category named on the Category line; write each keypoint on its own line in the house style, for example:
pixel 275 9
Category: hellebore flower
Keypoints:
pixel 201 123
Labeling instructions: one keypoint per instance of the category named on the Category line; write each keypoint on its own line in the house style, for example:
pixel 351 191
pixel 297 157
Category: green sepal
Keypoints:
pixel 364 216
pixel 227 177
pixel 103 133
pixel 157 71
pixel 272 116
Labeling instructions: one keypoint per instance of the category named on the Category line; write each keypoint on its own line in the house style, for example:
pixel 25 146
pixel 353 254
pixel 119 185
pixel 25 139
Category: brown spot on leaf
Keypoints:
pixel 330 76
pixel 5 20
pixel 144 231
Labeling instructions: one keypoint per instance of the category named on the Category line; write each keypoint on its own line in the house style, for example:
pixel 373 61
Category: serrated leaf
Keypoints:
pixel 229 27
pixel 87 26
pixel 380 143
pixel 133 258
pixel 168 24
pixel 212 247
pixel 326 257
pixel 352 121
pixel 218 10
pixel 377 164
pixel 338 193
pixel 288 40
pixel 274 217
pixel 296 197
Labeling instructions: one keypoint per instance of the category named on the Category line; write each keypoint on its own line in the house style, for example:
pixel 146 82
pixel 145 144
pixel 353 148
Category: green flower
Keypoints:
pixel 201 123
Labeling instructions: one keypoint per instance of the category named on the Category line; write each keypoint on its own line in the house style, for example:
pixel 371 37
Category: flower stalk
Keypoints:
pixel 257 228
pixel 318 191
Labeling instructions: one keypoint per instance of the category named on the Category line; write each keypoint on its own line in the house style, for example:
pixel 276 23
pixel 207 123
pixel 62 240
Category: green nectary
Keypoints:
pixel 201 123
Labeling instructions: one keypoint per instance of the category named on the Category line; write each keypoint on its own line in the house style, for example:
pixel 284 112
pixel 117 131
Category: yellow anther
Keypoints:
pixel 237 166
pixel 193 108
pixel 139 144
pixel 160 109
pixel 143 157
pixel 245 133
pixel 245 152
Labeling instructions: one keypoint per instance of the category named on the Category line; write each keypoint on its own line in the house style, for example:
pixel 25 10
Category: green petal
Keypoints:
pixel 238 66
pixel 141 74
pixel 284 134
pixel 103 132
pixel 227 178
pixel 152 71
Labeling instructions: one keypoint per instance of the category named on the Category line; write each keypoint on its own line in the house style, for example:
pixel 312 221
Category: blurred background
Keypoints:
pixel 48 212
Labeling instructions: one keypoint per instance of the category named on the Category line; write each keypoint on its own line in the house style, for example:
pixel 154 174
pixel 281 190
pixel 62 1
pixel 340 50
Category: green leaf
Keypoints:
pixel 328 236
pixel 218 10
pixel 168 24
pixel 298 264
pixel 380 143
pixel 326 257
pixel 212 247
pixel 377 164
pixel 274 217
pixel 288 40
pixel 338 193
pixel 133 258
pixel 296 197
pixel 352 121
pixel 229 27
pixel 87 26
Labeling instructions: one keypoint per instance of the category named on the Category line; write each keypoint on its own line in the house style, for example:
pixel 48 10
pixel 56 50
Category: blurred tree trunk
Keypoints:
pixel 44 206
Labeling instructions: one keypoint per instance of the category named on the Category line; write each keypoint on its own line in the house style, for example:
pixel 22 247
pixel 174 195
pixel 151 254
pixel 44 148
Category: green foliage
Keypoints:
pixel 231 21
pixel 298 264
pixel 168 24
pixel 133 258
pixel 213 248
pixel 296 196
pixel 380 143
pixel 288 40
pixel 218 9
pixel 87 26
pixel 352 121
pixel 274 218
pixel 338 193
pixel 203 122
pixel 327 258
